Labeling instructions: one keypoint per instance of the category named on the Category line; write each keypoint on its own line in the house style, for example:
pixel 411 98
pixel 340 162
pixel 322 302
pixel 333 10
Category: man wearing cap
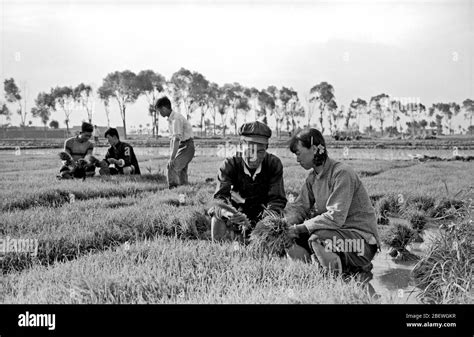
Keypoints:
pixel 181 143
pixel 78 147
pixel 248 183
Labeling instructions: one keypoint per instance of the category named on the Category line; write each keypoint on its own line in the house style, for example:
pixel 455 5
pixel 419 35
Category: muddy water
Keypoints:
pixel 393 279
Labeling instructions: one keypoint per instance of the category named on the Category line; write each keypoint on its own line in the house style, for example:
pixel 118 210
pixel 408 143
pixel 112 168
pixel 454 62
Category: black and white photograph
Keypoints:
pixel 259 153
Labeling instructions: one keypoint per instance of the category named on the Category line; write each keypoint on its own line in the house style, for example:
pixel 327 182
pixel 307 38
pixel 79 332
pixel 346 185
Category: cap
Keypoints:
pixel 256 132
pixel 87 127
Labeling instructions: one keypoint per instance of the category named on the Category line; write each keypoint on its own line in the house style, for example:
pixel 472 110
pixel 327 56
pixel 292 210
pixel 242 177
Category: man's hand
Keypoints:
pixel 239 218
pixel 222 211
pixel 112 161
pixel 102 164
pixel 295 231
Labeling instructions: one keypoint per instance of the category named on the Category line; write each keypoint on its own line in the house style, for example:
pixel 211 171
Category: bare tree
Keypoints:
pixel 323 94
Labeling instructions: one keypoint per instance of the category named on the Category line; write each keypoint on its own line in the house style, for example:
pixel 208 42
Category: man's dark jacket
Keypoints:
pixel 123 151
pixel 266 190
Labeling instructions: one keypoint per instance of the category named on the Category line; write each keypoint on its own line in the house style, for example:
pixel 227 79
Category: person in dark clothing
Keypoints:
pixel 248 184
pixel 120 157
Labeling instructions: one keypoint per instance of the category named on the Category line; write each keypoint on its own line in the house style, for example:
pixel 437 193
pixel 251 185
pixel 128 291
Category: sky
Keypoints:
pixel 419 49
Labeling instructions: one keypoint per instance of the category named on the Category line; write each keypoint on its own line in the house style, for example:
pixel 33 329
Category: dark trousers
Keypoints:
pixel 353 262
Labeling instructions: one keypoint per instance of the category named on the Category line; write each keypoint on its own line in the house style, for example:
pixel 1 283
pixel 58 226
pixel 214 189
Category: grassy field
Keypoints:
pixel 130 240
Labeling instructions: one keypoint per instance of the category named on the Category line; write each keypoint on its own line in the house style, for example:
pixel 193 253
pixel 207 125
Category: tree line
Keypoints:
pixel 194 95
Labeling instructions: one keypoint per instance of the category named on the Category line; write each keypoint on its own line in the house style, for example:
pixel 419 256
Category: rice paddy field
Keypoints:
pixel 131 240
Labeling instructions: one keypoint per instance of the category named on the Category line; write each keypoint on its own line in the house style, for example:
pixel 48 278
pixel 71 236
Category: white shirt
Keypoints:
pixel 179 126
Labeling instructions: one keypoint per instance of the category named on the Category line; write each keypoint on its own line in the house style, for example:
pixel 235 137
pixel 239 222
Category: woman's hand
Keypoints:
pixel 296 230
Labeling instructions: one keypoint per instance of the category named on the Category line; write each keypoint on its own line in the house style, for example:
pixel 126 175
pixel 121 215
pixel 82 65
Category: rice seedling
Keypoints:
pixel 397 237
pixel 270 236
pixel 388 205
pixel 69 232
pixel 446 208
pixel 445 274
pixel 169 270
pixel 55 196
pixel 66 157
pixel 417 220
pixel 419 203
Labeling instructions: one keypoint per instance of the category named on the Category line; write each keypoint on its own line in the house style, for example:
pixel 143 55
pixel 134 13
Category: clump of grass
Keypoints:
pixel 270 236
pixel 398 236
pixel 445 274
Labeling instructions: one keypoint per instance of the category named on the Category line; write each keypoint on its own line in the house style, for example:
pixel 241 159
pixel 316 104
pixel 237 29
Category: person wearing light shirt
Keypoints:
pixel 332 221
pixel 181 143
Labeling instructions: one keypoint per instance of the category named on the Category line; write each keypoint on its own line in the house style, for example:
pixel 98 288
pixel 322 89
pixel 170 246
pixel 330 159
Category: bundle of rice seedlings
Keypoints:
pixel 63 155
pixel 417 220
pixel 94 161
pixel 221 210
pixel 79 169
pixel 445 274
pixel 270 236
pixel 446 207
pixel 420 203
pixel 381 219
pixel 418 238
pixel 397 237
pixel 224 212
pixel 385 207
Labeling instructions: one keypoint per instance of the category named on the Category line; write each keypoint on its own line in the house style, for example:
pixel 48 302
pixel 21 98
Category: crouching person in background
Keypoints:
pixel 332 221
pixel 120 157
pixel 248 183
pixel 77 154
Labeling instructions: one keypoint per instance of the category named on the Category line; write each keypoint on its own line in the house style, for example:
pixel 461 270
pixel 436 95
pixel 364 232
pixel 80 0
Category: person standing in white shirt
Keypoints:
pixel 181 143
